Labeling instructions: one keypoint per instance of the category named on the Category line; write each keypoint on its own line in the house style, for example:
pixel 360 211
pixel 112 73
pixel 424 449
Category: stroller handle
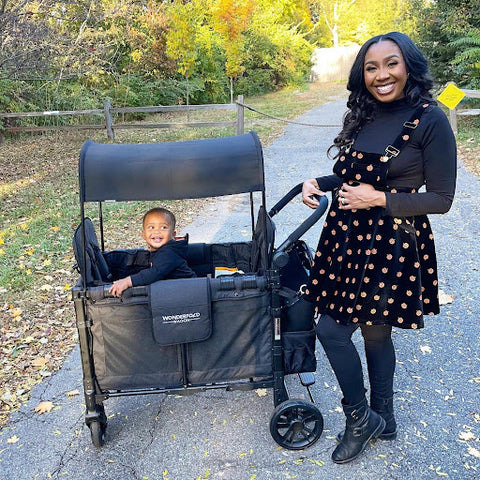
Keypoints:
pixel 280 257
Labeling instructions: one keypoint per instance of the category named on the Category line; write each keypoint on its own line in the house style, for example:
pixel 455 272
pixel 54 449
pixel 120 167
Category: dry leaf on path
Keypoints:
pixel 261 392
pixel 44 407
pixel 444 298
pixel 73 393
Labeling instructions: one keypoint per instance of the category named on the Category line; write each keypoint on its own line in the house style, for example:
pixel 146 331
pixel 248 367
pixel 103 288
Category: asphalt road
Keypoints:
pixel 225 435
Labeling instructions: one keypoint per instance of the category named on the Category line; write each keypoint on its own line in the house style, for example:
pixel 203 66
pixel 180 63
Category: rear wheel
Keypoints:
pixel 296 424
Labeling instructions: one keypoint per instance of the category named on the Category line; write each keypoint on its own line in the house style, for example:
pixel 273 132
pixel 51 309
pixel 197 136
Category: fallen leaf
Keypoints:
pixel 39 362
pixel 466 436
pixel 474 452
pixel 261 392
pixel 44 407
pixel 13 439
pixel 444 298
pixel 72 393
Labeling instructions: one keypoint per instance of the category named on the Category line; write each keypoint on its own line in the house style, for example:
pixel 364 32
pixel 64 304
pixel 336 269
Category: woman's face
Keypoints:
pixel 385 71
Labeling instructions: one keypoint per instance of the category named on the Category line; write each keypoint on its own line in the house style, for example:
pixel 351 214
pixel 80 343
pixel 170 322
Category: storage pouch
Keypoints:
pixel 299 352
pixel 181 310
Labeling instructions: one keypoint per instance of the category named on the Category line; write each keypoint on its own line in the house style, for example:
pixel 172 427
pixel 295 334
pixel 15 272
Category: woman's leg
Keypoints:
pixel 342 354
pixel 362 423
pixel 380 354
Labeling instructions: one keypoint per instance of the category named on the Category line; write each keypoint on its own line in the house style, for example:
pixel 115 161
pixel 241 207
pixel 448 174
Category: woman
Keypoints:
pixel 375 266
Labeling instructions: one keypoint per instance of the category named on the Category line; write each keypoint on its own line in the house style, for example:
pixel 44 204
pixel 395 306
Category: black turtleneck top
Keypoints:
pixel 429 158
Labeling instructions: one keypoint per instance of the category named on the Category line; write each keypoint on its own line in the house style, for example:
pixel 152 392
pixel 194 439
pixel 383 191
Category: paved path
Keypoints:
pixel 225 435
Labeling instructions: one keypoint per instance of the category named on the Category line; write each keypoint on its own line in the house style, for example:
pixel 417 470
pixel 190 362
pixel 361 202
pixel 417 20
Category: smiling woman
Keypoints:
pixel 375 265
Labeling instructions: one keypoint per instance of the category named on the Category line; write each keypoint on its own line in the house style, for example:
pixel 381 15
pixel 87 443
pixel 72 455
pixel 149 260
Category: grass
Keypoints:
pixel 40 210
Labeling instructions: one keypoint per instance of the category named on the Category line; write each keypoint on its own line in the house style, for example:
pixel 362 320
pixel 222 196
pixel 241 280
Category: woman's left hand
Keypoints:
pixel 360 196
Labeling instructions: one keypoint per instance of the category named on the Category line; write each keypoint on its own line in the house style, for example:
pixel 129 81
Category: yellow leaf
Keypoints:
pixel 55 229
pixel 66 286
pixel 44 407
pixel 13 439
pixel 72 393
pixel 16 312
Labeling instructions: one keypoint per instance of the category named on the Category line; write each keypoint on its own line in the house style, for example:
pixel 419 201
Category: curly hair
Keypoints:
pixel 362 106
pixel 162 211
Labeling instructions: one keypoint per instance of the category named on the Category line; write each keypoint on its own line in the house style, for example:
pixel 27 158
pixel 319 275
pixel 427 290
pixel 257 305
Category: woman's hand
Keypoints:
pixel 119 286
pixel 309 190
pixel 360 196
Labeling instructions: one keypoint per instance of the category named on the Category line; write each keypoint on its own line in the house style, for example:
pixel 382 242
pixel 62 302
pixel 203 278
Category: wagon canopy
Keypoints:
pixel 171 170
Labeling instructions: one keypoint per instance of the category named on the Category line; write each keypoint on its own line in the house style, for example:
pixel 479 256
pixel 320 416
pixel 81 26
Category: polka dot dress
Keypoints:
pixel 370 267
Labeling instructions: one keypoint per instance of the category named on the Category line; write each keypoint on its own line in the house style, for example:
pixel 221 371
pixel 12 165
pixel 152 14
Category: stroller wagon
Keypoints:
pixel 235 332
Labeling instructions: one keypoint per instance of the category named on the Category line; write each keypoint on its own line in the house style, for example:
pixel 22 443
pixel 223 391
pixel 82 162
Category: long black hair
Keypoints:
pixel 362 105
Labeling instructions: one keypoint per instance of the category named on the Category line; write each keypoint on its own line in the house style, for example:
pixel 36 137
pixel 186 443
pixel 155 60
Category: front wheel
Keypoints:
pixel 296 424
pixel 97 434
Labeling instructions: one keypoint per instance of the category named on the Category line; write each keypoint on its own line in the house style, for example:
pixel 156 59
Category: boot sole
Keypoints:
pixel 380 428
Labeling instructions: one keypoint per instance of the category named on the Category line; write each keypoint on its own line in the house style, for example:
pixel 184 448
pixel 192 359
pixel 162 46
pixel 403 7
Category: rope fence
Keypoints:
pixel 248 107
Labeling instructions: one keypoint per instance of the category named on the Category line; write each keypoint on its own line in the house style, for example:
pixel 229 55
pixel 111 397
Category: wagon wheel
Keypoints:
pixel 296 424
pixel 97 433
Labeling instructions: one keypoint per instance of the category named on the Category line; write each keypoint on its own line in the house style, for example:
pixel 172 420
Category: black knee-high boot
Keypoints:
pixel 362 424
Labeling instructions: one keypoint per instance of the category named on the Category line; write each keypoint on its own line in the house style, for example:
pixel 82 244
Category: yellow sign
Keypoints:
pixel 451 96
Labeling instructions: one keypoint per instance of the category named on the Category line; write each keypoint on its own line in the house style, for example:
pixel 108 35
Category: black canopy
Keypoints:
pixel 172 170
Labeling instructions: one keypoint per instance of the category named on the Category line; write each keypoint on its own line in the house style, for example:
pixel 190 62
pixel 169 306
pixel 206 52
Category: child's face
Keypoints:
pixel 157 230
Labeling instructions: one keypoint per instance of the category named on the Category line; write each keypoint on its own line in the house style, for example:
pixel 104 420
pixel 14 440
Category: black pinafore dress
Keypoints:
pixel 371 268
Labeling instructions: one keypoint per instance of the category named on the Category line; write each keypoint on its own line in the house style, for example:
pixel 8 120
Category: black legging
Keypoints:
pixel 336 340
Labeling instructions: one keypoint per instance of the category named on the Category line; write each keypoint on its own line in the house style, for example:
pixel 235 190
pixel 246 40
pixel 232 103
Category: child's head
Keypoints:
pixel 158 227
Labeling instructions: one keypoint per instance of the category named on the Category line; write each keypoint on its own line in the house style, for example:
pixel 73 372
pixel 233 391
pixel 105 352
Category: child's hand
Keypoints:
pixel 119 286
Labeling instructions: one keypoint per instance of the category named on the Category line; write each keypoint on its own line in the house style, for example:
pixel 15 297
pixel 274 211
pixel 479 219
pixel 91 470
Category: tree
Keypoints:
pixel 447 31
pixel 231 19
pixel 184 18
pixel 354 21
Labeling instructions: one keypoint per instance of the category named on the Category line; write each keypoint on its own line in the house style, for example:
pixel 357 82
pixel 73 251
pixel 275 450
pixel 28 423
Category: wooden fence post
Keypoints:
pixel 240 115
pixel 108 120
pixel 453 119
